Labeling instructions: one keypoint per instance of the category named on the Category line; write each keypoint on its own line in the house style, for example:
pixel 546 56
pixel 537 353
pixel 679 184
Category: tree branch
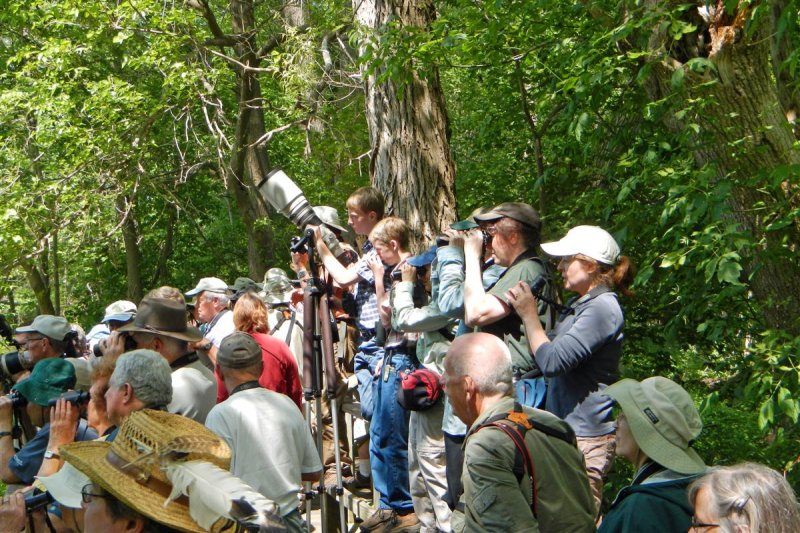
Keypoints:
pixel 202 7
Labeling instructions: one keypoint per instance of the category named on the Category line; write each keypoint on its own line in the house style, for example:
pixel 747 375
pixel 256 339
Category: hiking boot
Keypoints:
pixel 378 520
pixel 357 482
pixel 407 523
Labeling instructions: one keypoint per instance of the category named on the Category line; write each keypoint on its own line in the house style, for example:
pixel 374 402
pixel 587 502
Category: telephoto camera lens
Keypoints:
pixel 15 362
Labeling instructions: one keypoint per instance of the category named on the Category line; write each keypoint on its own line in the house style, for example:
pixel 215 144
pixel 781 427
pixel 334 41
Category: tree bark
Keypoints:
pixel 56 273
pixel 133 255
pixel 744 134
pixel 782 48
pixel 161 272
pixel 249 162
pixel 411 163
pixel 39 287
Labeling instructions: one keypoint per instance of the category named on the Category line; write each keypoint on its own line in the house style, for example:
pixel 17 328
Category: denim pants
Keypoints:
pixel 388 433
pixel 364 363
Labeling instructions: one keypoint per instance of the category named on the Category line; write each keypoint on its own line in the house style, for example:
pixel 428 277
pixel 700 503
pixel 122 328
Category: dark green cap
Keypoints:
pixel 245 284
pixel 49 379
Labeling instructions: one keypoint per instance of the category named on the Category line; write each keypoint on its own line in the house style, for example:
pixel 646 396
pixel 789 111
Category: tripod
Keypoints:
pixel 318 363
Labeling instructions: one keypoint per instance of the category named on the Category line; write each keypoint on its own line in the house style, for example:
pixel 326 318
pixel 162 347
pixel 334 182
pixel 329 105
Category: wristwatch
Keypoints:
pixel 207 346
pixel 50 454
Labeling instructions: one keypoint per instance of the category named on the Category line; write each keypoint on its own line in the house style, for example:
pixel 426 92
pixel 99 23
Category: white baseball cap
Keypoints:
pixel 210 285
pixel 120 311
pixel 591 241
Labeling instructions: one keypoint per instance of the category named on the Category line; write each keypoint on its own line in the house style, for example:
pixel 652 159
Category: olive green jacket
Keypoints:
pixel 493 500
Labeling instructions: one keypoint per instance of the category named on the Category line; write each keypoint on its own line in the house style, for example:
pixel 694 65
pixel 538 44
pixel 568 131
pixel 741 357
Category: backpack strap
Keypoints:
pixel 281 320
pixel 292 321
pixel 515 424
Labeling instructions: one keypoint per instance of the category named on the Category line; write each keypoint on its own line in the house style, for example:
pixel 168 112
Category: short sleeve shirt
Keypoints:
pixel 194 391
pixel 26 463
pixel 366 301
pixel 270 442
pixel 510 328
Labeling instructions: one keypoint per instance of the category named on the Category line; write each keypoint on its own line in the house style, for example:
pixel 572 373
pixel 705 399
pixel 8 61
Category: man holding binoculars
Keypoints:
pixel 49 379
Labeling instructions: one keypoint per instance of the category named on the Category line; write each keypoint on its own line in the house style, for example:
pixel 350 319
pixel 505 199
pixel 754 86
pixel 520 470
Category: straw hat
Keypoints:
pixel 130 467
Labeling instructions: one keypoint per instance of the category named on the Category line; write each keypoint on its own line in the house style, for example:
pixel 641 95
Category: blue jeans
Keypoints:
pixel 388 434
pixel 364 363
pixel 531 392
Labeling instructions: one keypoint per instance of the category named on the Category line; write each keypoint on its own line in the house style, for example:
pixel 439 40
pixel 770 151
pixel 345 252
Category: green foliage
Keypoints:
pixel 547 103
pixel 607 159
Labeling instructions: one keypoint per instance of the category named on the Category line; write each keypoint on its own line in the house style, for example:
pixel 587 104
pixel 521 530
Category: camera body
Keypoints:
pixel 15 362
pixel 295 244
pixel 444 240
pixel 18 401
pixel 76 397
pixel 37 499
pixel 99 348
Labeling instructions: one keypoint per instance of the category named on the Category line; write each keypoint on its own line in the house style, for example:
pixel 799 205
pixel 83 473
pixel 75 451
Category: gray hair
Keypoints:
pixel 485 359
pixel 749 497
pixel 148 374
pixel 218 296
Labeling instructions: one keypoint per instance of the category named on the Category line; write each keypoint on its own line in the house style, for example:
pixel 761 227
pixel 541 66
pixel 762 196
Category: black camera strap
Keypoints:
pixel 47 521
pixel 247 385
pixel 184 360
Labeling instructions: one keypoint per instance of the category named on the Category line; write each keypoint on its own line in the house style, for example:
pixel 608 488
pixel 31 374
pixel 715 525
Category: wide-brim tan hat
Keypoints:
pixel 663 421
pixel 130 467
pixel 162 316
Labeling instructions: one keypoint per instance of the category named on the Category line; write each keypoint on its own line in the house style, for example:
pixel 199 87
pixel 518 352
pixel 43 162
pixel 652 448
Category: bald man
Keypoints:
pixel 478 382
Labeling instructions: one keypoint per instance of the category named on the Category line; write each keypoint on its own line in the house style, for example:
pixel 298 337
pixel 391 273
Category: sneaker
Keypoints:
pixel 407 523
pixel 378 519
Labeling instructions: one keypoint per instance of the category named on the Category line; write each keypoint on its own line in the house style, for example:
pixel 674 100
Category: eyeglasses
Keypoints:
pixel 701 525
pixel 87 495
pixel 27 342
pixel 494 229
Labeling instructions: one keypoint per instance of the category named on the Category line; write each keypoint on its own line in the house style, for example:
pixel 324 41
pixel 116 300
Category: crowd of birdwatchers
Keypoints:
pixel 482 377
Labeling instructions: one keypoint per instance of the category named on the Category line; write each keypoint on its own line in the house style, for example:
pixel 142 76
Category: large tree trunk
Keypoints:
pixel 133 255
pixel 783 45
pixel 411 163
pixel 39 287
pixel 744 134
pixel 249 163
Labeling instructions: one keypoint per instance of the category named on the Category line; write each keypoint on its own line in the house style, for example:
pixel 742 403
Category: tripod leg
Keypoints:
pixel 307 488
pixel 332 384
pixel 337 455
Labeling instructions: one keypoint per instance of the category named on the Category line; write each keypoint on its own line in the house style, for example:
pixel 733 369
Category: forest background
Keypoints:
pixel 134 132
